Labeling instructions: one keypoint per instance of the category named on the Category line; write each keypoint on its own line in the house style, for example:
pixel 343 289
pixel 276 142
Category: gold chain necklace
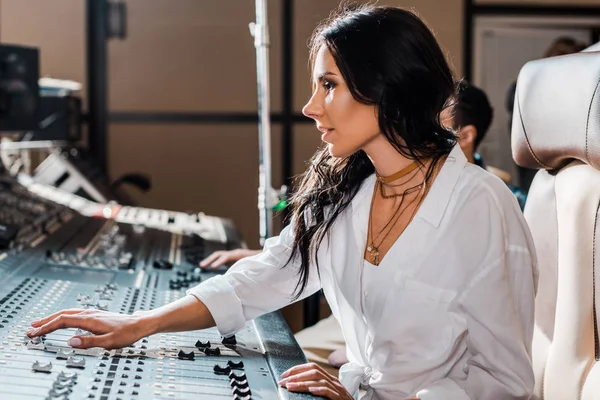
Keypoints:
pixel 372 249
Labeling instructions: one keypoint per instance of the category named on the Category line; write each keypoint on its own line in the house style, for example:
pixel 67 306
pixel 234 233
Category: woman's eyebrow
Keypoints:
pixel 322 76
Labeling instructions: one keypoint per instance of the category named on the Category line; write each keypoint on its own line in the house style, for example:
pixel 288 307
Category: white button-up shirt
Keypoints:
pixel 448 313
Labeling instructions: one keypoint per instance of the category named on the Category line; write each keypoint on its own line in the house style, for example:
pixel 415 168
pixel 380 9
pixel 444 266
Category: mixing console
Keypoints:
pixel 56 257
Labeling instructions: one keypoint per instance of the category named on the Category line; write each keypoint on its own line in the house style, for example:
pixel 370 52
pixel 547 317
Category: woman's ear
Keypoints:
pixel 467 135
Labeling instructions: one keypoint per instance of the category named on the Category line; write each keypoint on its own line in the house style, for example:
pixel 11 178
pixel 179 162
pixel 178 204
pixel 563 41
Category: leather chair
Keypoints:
pixel 556 129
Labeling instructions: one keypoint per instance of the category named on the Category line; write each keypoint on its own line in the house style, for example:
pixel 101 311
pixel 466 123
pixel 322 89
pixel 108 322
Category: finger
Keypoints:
pixel 208 260
pixel 299 369
pixel 310 375
pixel 85 342
pixel 223 260
pixel 42 321
pixel 65 321
pixel 325 392
pixel 304 387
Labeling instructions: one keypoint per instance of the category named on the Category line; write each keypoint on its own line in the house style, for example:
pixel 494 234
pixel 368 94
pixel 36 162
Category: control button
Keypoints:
pixel 185 356
pixel 240 385
pixel 235 365
pixel 62 354
pixel 63 393
pixel 202 345
pixel 212 351
pixel 59 385
pixel 238 377
pixel 37 367
pixel 36 340
pixel 229 341
pixel 242 392
pixel 162 264
pixel 76 362
pixel 218 370
pixel 238 397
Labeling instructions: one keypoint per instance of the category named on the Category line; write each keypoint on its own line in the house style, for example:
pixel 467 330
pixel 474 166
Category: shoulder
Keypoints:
pixel 486 211
pixel 477 187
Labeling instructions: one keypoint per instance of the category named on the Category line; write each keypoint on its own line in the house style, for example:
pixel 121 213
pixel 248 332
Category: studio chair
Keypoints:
pixel 556 129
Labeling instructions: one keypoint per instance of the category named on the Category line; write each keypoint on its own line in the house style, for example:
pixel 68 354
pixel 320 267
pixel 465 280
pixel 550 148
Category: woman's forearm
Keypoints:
pixel 185 314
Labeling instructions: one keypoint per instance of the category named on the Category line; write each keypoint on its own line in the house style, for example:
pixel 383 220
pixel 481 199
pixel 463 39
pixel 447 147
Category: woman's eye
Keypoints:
pixel 328 85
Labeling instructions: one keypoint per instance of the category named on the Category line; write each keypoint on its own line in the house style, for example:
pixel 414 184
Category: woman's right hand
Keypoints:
pixel 110 330
pixel 113 331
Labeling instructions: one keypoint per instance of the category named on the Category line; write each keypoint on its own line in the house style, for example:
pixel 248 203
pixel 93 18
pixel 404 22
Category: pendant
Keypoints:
pixel 374 254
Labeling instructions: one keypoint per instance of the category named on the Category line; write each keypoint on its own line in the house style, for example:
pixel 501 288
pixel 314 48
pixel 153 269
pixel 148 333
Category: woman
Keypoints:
pixel 425 260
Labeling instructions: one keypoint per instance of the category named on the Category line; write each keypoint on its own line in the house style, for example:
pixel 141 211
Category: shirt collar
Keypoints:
pixel 436 202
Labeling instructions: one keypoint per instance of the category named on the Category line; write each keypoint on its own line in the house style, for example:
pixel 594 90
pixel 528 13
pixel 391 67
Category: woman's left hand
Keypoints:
pixel 311 378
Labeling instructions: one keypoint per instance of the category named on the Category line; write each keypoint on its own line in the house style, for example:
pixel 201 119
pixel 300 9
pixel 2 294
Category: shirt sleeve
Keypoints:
pixel 255 285
pixel 500 332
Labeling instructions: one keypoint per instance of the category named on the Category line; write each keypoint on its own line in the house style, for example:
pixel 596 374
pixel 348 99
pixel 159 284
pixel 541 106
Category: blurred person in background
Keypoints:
pixel 473 115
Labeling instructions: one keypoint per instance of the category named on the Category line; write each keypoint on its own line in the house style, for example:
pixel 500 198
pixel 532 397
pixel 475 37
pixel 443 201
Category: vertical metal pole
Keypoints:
pixel 469 20
pixel 97 83
pixel 261 42
pixel 287 94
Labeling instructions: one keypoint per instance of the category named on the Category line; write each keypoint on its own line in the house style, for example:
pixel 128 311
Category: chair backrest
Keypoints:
pixel 556 128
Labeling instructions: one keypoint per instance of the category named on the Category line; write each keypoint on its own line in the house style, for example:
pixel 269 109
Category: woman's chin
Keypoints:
pixel 337 152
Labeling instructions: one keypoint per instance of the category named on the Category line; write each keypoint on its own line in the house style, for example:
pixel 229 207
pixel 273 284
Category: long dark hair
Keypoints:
pixel 390 59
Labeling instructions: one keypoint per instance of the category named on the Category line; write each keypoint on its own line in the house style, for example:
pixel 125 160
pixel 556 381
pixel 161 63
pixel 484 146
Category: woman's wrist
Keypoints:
pixel 148 323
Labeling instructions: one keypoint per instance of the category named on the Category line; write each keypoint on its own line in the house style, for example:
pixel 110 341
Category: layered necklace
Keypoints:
pixel 375 241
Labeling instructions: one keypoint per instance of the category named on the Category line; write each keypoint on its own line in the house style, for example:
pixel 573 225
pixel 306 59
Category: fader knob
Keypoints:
pixel 229 341
pixel 185 356
pixel 212 351
pixel 235 365
pixel 218 370
pixel 202 345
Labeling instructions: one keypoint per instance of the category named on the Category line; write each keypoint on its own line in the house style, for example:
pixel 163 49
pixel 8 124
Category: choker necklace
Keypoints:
pixel 400 174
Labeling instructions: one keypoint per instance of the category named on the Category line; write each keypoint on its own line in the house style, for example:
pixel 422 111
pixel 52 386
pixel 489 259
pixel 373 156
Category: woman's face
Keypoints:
pixel 346 125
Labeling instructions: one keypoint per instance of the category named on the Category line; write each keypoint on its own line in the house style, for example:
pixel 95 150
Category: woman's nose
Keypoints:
pixel 312 110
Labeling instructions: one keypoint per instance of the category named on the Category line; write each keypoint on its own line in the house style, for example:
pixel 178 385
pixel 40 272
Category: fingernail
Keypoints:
pixel 282 382
pixel 74 342
pixel 285 374
pixel 291 385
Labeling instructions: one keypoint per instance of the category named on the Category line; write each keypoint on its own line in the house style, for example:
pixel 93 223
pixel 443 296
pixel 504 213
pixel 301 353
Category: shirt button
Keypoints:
pixel 366 294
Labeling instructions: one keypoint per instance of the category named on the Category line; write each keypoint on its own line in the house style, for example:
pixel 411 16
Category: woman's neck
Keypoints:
pixel 385 158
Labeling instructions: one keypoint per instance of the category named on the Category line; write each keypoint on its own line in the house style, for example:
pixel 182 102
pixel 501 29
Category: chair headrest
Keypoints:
pixel 556 116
